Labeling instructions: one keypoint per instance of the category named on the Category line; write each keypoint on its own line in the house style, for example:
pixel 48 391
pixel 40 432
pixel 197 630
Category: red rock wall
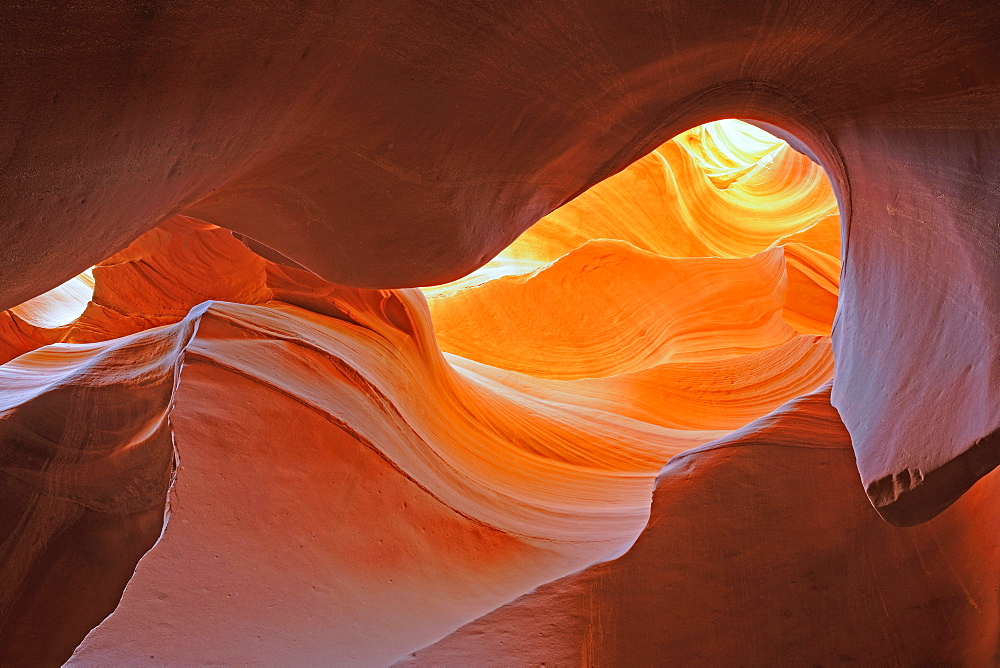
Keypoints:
pixel 330 459
pixel 406 144
pixel 729 572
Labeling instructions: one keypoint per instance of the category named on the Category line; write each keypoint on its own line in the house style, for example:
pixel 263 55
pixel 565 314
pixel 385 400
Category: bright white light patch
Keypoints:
pixel 59 306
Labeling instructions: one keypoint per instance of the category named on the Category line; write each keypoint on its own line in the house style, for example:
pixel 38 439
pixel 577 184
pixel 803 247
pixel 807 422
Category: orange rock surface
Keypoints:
pixel 244 438
pixel 729 571
pixel 409 143
pixel 269 379
pixel 314 499
pixel 683 256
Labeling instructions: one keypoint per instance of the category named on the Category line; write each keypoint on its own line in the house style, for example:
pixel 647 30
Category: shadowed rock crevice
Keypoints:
pixel 86 463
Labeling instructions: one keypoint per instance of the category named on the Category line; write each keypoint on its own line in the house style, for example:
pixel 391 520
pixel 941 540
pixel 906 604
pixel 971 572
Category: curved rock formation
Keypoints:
pixel 409 143
pixel 602 286
pixel 279 380
pixel 539 488
pixel 87 461
pixel 607 308
pixel 727 570
pixel 234 169
pixel 44 319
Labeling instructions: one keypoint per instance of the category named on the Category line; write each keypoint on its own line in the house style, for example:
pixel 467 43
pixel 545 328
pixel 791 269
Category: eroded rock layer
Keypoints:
pixel 334 470
pixel 408 143
pixel 635 323
pixel 728 571
pixel 392 144
pixel 722 242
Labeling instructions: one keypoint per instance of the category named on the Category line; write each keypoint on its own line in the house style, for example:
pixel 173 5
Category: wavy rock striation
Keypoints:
pixel 536 488
pixel 210 373
pixel 334 470
pixel 407 144
pixel 728 568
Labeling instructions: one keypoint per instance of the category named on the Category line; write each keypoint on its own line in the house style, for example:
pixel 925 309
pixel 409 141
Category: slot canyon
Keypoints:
pixel 520 333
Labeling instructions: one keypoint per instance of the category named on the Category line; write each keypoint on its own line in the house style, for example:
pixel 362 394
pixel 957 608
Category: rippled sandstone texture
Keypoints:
pixel 728 572
pixel 293 399
pixel 406 144
pixel 748 260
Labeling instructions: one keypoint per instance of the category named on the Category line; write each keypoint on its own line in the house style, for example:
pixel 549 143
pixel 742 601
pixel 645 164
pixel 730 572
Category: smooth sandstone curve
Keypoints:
pixel 408 143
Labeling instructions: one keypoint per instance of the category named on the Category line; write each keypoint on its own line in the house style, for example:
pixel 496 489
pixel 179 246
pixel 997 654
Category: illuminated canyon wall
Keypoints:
pixel 355 471
pixel 319 404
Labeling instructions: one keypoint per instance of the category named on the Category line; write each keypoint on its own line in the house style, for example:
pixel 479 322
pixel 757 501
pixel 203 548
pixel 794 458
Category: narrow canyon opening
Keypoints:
pixel 695 290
